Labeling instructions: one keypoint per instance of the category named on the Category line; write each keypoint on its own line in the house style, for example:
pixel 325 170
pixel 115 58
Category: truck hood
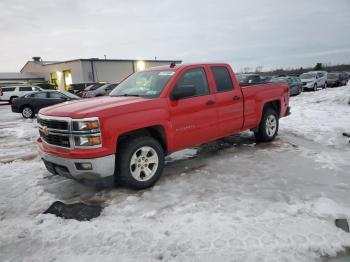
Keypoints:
pixel 90 107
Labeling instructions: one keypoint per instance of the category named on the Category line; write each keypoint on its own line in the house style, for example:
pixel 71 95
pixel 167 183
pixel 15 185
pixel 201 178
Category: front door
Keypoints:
pixel 194 118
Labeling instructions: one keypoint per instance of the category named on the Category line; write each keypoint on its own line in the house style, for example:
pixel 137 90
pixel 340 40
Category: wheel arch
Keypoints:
pixel 275 105
pixel 155 131
pixel 24 105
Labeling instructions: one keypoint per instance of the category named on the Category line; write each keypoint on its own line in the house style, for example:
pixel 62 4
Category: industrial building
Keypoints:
pixel 64 73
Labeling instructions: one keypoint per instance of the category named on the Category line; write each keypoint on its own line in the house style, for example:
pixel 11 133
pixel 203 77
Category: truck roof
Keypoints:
pixel 178 66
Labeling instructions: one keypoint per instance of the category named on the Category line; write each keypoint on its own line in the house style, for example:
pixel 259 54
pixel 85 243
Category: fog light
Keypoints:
pixel 83 166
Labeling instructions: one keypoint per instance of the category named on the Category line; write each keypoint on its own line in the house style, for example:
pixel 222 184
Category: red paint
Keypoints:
pixel 186 122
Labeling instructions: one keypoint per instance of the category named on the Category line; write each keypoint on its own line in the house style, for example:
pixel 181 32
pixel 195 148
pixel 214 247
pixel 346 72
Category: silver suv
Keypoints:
pixel 314 79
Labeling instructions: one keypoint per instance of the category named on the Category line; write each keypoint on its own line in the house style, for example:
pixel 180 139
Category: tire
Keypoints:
pixel 325 86
pixel 267 130
pixel 134 158
pixel 11 99
pixel 28 112
pixel 315 87
pixel 300 90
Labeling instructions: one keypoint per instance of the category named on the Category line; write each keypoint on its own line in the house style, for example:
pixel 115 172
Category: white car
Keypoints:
pixel 314 79
pixel 9 93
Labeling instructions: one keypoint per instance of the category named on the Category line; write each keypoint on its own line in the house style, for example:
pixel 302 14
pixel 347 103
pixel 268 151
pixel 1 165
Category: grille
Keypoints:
pixel 57 140
pixel 54 124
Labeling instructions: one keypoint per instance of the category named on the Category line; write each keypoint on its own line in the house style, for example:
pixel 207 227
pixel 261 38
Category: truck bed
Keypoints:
pixel 254 98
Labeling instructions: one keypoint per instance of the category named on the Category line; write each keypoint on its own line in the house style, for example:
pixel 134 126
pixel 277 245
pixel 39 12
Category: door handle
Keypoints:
pixel 236 98
pixel 211 102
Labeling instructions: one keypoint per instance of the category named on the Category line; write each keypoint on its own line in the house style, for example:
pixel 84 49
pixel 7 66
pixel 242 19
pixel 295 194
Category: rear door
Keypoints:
pixel 194 118
pixel 229 102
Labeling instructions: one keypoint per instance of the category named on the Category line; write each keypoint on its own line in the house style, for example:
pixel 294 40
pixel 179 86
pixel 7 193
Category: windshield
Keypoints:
pixel 146 84
pixel 307 76
pixel 279 79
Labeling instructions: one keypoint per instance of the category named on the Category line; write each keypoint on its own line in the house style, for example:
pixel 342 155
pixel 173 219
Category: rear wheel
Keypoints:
pixel 27 112
pixel 268 127
pixel 139 162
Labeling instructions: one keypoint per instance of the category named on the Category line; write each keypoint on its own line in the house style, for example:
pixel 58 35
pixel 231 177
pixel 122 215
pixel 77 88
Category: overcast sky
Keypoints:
pixel 245 33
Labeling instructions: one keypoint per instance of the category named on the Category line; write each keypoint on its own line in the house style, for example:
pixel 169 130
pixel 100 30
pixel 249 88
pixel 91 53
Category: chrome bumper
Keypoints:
pixel 102 167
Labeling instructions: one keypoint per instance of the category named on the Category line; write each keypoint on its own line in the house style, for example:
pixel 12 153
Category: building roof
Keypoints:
pixel 44 63
pixel 18 76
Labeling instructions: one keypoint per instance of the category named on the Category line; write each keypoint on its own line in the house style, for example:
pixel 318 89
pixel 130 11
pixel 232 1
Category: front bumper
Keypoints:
pixel 101 167
pixel 309 86
pixel 15 109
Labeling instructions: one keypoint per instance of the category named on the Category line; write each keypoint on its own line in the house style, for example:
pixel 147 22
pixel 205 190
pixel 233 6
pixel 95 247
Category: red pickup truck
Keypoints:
pixel 153 113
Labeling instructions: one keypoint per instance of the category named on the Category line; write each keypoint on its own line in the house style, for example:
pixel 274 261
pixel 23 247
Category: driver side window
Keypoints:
pixel 194 78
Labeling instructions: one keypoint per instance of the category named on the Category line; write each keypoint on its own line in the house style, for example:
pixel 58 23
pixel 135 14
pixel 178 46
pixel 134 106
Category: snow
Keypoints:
pixel 231 200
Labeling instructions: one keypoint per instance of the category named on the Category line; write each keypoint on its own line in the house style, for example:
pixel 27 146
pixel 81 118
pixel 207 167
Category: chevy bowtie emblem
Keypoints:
pixel 45 130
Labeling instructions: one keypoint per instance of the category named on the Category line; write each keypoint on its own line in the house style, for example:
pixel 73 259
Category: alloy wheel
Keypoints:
pixel 144 163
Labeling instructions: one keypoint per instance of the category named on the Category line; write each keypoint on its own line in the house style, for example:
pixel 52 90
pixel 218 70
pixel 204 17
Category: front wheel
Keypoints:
pixel 28 112
pixel 325 86
pixel 139 162
pixel 268 127
pixel 315 87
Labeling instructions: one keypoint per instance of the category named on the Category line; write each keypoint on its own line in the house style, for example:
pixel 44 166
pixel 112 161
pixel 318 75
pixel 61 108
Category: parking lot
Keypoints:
pixel 228 199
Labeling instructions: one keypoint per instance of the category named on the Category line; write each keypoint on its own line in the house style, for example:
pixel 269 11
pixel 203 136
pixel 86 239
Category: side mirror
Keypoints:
pixel 182 91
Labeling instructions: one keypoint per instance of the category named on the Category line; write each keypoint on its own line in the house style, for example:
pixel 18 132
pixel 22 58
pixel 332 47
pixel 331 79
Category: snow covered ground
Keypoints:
pixel 231 200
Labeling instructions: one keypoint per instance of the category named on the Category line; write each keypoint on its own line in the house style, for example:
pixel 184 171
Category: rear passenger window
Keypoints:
pixel 56 95
pixel 39 95
pixel 222 78
pixel 196 78
pixel 25 88
pixel 8 89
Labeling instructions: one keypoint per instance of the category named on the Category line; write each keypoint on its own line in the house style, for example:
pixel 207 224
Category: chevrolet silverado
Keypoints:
pixel 152 113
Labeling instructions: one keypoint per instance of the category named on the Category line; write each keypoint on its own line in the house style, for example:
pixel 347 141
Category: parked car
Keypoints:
pixel 9 93
pixel 314 79
pixel 294 84
pixel 247 79
pixel 76 88
pixel 31 103
pixel 345 77
pixel 334 79
pixel 100 91
pixel 90 88
pixel 125 136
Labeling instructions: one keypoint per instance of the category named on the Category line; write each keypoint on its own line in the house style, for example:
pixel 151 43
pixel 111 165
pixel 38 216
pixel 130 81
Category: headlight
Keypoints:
pixel 86 125
pixel 87 140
